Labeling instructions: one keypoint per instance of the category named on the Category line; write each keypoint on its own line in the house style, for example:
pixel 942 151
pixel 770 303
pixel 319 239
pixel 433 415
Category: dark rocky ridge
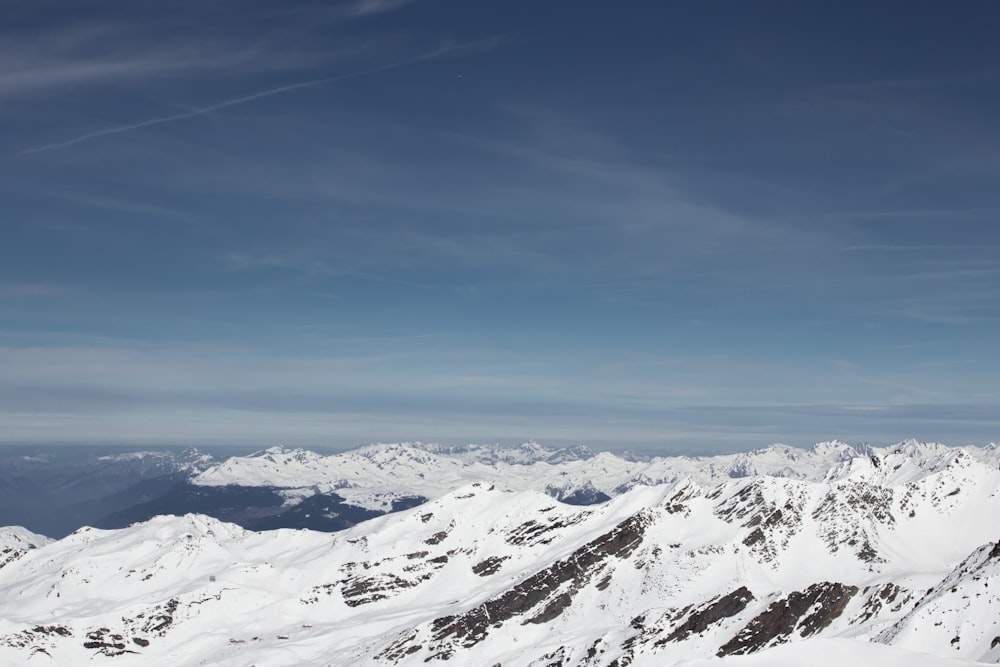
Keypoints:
pixel 807 611
pixel 716 610
pixel 546 594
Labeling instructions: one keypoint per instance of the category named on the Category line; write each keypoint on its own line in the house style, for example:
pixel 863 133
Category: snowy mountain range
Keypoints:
pixel 376 475
pixel 57 493
pixel 782 556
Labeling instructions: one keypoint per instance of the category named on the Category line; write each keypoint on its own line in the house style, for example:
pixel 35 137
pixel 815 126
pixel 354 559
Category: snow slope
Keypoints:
pixel 875 565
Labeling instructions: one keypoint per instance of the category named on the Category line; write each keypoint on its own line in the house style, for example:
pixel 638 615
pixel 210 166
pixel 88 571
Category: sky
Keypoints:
pixel 674 227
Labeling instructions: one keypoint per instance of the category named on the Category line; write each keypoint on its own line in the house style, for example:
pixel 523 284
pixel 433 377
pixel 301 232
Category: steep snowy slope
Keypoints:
pixel 680 573
pixel 965 599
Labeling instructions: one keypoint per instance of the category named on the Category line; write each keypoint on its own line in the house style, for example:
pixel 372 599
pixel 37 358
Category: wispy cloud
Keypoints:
pixel 884 97
pixel 885 247
pixel 912 413
pixel 114 52
pixel 365 7
pixel 920 213
pixel 260 94
pixel 201 111
pixel 69 54
pixel 142 209
pixel 967 78
pixel 31 290
pixel 171 394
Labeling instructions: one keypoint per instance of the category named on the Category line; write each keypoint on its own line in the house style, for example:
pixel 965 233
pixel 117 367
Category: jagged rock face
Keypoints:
pixel 481 576
pixel 839 513
pixel 770 520
pixel 806 612
pixel 539 598
pixel 717 609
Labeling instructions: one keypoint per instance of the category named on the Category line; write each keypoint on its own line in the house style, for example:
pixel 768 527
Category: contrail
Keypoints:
pixel 201 111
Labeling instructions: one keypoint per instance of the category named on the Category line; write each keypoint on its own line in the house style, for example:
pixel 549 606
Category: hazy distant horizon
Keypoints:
pixel 222 451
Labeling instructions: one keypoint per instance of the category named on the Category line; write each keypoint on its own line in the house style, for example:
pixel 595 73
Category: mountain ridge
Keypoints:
pixel 857 560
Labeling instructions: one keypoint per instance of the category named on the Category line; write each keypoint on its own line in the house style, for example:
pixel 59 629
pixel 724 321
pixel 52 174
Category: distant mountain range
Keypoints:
pixel 781 556
pixel 294 488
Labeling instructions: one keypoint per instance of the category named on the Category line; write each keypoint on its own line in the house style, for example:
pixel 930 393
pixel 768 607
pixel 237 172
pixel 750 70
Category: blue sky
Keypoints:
pixel 669 226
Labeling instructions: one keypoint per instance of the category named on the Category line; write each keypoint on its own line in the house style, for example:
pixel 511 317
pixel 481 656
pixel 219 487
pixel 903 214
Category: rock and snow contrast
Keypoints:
pixel 828 556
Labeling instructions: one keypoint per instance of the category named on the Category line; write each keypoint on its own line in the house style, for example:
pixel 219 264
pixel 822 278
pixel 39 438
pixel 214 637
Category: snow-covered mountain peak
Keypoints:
pixel 15 541
pixel 691 564
pixel 835 449
pixel 275 466
pixel 396 454
pixel 282 453
pixel 527 453
pixel 921 451
pixel 189 459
